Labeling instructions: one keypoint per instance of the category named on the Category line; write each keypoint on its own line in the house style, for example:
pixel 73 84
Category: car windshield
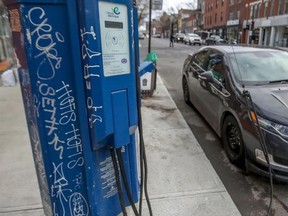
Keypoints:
pixel 193 35
pixel 180 35
pixel 260 67
pixel 215 36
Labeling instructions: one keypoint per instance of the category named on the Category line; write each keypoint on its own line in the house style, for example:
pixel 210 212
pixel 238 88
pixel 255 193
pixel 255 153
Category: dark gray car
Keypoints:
pixel 216 80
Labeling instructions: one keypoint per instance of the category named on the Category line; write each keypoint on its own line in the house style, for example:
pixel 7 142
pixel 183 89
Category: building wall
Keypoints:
pixel 267 21
pixel 215 14
pixel 215 17
pixel 201 11
pixel 183 14
pixel 235 17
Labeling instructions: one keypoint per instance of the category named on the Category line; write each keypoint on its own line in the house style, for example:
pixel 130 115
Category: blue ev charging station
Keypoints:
pixel 78 74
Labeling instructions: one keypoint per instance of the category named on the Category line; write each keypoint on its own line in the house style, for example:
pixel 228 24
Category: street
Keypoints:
pixel 250 192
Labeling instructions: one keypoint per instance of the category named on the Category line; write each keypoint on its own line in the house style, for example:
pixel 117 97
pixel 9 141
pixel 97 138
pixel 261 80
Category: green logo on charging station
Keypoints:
pixel 116 10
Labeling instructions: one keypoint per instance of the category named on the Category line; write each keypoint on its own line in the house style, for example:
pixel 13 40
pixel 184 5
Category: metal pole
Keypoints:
pixel 150 18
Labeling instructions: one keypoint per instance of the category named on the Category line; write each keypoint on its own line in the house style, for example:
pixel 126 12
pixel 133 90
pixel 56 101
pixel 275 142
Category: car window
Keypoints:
pixel 199 61
pixel 216 65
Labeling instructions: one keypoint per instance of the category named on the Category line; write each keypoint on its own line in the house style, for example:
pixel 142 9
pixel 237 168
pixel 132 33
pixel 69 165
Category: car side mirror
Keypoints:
pixel 206 76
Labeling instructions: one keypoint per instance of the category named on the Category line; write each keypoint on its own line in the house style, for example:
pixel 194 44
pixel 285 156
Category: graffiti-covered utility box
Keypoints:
pixel 77 78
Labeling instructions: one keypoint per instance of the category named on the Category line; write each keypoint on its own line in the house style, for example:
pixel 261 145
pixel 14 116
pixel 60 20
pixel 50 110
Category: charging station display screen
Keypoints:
pixel 117 25
pixel 114 38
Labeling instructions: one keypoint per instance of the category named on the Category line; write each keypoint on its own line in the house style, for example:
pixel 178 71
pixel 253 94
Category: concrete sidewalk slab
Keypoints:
pixel 12 118
pixel 18 183
pixel 181 179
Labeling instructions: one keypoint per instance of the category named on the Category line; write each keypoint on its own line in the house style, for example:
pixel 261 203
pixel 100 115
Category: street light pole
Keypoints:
pixel 150 19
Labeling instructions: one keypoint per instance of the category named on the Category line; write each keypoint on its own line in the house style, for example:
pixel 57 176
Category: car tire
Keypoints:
pixel 186 94
pixel 233 141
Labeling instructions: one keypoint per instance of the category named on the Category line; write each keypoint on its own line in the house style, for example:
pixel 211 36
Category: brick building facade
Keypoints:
pixel 235 11
pixel 267 21
pixel 183 14
pixel 215 17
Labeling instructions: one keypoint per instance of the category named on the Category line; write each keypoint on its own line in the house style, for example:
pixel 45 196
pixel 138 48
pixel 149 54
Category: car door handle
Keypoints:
pixel 202 78
pixel 224 92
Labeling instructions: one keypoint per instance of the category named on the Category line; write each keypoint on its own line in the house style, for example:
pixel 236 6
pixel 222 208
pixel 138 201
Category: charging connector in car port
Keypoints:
pixel 260 157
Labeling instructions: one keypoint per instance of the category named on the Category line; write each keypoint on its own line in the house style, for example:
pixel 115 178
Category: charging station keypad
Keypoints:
pixel 114 38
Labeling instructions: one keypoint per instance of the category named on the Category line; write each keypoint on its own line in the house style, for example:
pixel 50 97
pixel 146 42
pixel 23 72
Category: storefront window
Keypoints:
pixel 282 37
pixel 6 50
pixel 267 38
pixel 2 51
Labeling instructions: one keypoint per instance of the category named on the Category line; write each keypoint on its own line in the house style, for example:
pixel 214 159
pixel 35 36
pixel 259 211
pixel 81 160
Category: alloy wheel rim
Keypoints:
pixel 234 140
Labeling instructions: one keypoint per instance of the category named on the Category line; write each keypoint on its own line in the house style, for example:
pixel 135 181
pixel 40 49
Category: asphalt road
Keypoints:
pixel 249 192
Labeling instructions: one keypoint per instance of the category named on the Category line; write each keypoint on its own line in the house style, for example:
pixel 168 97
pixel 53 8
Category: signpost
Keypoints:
pixel 153 5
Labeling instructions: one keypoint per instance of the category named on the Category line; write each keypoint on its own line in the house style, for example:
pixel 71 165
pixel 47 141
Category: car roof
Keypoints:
pixel 241 48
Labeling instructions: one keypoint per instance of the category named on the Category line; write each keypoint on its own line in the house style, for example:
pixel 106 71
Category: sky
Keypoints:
pixel 174 3
pixel 166 5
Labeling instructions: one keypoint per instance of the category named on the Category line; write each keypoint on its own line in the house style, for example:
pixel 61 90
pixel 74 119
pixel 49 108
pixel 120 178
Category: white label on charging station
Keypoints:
pixel 114 38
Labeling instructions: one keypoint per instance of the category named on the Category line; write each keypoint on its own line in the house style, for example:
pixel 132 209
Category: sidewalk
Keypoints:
pixel 181 179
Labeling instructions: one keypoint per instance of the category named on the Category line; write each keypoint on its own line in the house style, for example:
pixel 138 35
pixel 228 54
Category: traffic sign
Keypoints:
pixel 157 4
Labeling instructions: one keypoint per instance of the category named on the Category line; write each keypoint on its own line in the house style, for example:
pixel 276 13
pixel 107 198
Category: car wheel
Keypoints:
pixel 186 94
pixel 233 141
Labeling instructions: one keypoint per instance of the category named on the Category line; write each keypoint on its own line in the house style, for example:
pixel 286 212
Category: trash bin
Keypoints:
pixel 147 77
pixel 8 78
pixel 152 56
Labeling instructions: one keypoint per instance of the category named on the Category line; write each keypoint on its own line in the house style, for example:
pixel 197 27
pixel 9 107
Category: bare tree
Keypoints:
pixel 191 5
pixel 143 9
pixel 173 10
pixel 165 24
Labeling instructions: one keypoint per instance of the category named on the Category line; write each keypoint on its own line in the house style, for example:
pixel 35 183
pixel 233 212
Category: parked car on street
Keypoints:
pixel 146 34
pixel 219 80
pixel 214 40
pixel 193 39
pixel 179 37
pixel 141 36
pixel 203 35
pixel 157 35
pixel 232 41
